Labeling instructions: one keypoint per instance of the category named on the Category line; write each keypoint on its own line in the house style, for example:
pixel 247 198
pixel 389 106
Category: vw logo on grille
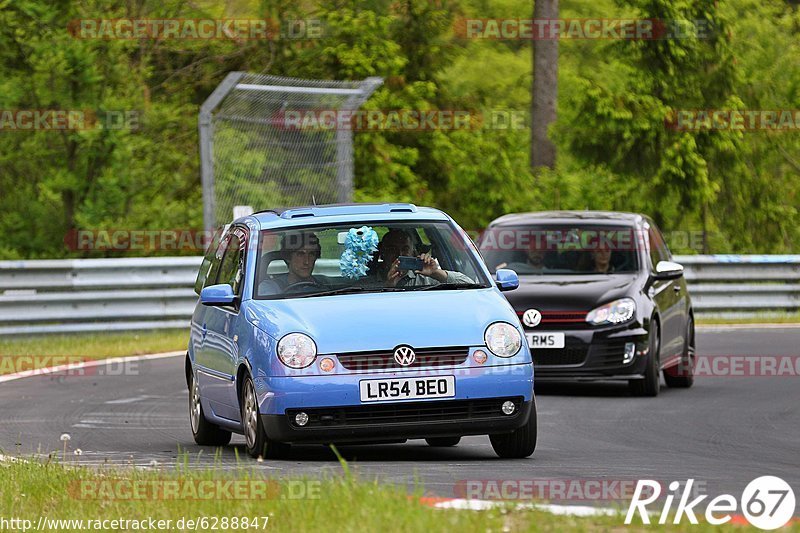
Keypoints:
pixel 404 355
pixel 532 318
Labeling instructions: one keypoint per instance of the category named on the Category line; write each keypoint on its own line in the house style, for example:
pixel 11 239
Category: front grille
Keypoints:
pixel 559 319
pixel 571 354
pixel 406 413
pixel 384 359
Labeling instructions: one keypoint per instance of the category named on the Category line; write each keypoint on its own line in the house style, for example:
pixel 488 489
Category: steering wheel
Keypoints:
pixel 301 284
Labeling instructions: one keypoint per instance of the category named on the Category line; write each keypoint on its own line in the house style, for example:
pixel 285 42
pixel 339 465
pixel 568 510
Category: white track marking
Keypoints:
pixel 566 510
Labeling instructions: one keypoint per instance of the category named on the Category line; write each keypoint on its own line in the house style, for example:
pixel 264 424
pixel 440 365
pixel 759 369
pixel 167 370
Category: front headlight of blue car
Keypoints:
pixel 502 339
pixel 297 350
pixel 614 312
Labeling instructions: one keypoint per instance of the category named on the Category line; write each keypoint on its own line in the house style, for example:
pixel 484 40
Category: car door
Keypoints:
pixel 220 349
pixel 668 295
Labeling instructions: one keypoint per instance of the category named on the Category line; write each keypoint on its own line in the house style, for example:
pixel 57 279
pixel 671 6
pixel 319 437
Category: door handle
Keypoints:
pixel 205 330
pixel 676 288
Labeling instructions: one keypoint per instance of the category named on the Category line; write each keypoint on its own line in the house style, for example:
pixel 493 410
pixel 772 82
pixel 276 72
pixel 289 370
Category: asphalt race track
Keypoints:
pixel 723 432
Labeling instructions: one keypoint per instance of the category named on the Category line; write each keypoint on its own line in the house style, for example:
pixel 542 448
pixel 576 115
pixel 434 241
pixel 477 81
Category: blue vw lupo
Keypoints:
pixel 356 323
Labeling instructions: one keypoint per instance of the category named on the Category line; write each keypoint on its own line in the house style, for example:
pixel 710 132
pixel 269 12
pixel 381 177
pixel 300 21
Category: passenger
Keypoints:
pixel 396 243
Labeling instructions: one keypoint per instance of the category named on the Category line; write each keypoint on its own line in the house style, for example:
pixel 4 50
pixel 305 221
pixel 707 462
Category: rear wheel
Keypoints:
pixel 205 433
pixel 521 442
pixel 650 385
pixel 256 441
pixel 442 442
pixel 682 374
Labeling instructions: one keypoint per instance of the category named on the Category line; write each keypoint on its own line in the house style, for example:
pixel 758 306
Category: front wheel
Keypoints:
pixel 204 432
pixel 256 441
pixel 521 442
pixel 682 374
pixel 650 385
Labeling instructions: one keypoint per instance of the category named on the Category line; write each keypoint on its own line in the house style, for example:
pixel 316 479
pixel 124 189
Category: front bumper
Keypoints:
pixel 336 412
pixel 402 420
pixel 592 354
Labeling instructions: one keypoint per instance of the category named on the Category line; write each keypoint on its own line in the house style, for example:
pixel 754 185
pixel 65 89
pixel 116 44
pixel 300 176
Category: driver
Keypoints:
pixel 300 251
pixel 397 242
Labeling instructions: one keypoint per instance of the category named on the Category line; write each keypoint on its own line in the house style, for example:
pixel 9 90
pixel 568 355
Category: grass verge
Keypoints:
pixel 31 490
pixel 783 318
pixel 45 350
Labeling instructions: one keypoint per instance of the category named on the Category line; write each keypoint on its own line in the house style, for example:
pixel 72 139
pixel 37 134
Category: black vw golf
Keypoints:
pixel 599 297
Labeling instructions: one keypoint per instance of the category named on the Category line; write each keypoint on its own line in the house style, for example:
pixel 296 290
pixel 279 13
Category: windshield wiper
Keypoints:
pixel 343 290
pixel 446 286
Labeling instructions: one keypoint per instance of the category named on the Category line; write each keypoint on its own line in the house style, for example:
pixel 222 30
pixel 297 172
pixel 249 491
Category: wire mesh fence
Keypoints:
pixel 252 155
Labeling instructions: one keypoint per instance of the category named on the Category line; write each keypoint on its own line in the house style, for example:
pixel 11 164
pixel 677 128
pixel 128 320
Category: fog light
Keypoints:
pixel 509 408
pixel 479 356
pixel 326 364
pixel 301 419
pixel 630 351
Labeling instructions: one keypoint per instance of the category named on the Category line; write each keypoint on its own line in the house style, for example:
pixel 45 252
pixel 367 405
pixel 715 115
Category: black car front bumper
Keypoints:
pixel 592 354
pixel 402 420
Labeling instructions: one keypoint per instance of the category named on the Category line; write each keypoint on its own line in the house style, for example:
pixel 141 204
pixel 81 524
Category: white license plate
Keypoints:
pixel 377 390
pixel 545 340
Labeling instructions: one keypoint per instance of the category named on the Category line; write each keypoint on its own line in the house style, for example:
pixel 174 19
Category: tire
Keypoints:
pixel 443 442
pixel 256 442
pixel 650 385
pixel 204 432
pixel 521 442
pixel 681 376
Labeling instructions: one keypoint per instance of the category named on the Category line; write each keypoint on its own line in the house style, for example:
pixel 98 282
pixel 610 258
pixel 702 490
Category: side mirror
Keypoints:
pixel 507 279
pixel 668 270
pixel 217 295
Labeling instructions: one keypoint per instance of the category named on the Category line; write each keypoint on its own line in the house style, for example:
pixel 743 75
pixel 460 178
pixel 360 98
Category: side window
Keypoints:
pixel 658 250
pixel 230 270
pixel 208 259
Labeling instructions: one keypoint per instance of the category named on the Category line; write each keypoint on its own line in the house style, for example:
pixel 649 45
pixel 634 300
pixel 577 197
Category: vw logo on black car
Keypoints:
pixel 404 356
pixel 532 318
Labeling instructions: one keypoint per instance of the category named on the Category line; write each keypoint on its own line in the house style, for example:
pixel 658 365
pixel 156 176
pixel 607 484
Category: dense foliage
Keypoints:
pixel 741 189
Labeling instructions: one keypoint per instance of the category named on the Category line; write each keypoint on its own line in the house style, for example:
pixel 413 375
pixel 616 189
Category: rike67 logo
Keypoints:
pixel 767 502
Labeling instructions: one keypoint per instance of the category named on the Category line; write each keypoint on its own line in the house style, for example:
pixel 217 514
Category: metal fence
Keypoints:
pixel 153 293
pixel 273 141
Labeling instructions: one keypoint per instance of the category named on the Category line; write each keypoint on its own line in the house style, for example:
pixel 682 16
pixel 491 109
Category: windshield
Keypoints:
pixel 351 258
pixel 561 249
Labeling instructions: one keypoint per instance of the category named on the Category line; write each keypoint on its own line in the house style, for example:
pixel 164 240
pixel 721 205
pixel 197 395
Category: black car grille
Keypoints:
pixel 382 360
pixel 570 354
pixel 559 319
pixel 406 413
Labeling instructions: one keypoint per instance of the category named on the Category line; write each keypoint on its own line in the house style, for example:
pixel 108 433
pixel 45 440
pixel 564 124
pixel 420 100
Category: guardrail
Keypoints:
pixel 151 293
pixel 742 286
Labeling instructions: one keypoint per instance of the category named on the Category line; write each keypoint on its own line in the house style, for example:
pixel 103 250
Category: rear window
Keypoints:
pixel 561 249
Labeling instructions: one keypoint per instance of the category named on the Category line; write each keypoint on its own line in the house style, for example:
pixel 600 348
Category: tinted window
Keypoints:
pixel 561 249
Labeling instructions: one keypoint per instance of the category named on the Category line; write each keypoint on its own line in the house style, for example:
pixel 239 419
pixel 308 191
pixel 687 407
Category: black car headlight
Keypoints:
pixel 614 312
